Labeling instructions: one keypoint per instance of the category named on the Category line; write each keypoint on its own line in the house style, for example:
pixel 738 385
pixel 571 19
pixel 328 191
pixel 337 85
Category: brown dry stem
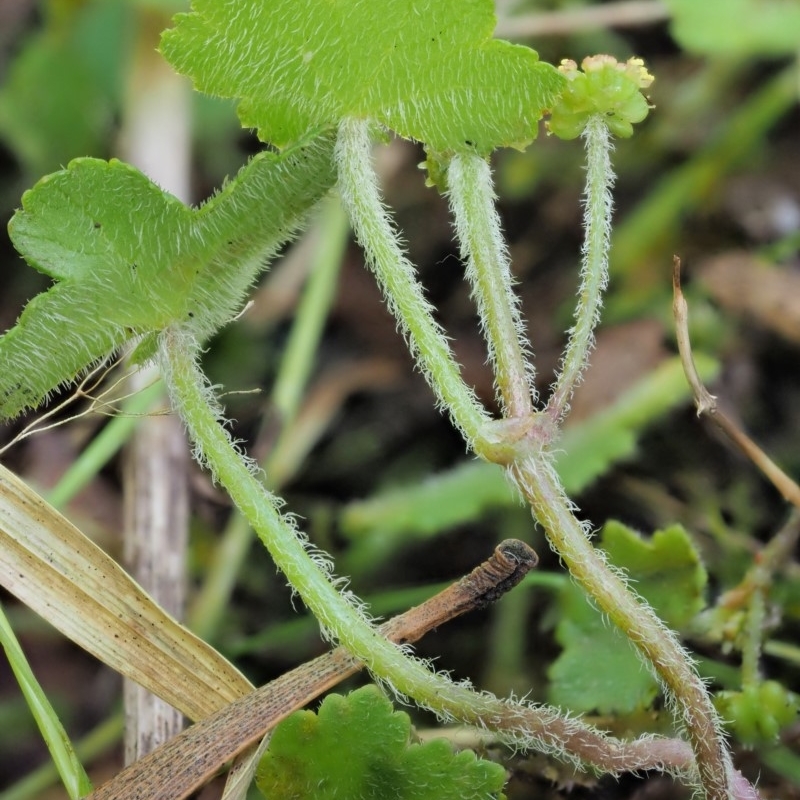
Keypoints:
pixel 706 403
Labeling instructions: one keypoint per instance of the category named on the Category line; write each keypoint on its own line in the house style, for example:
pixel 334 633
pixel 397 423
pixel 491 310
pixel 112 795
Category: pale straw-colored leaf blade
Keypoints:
pixel 48 564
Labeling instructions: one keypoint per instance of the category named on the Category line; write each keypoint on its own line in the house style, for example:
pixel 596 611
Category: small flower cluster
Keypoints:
pixel 605 87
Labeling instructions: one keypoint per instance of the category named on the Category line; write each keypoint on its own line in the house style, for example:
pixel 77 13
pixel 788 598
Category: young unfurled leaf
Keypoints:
pixel 427 70
pixel 130 259
pixel 667 572
pixel 357 747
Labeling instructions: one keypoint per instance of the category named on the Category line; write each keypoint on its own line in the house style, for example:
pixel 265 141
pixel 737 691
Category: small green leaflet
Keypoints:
pixel 598 669
pixel 129 259
pixel 357 747
pixel 429 71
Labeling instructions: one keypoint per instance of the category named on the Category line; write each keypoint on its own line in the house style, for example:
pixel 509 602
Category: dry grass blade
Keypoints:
pixel 54 569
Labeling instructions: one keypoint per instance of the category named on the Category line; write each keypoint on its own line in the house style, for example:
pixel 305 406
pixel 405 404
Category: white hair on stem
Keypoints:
pixel 488 269
pixel 427 342
pixel 597 211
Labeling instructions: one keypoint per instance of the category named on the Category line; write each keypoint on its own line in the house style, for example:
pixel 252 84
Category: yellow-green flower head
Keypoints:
pixel 605 87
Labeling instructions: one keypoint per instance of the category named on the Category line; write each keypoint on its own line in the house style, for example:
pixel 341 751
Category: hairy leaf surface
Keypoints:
pixel 358 747
pixel 428 71
pixel 129 259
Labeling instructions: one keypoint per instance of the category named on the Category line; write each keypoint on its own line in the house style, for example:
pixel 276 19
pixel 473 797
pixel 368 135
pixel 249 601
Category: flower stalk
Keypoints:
pixel 483 249
pixel 594 264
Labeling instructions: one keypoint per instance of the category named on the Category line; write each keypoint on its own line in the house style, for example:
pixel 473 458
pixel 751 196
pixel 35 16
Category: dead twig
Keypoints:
pixel 706 402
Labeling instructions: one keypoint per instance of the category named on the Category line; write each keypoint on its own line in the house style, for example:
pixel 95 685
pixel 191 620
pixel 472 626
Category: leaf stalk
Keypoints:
pixel 358 187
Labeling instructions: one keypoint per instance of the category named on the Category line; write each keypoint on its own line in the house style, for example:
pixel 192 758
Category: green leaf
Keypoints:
pixel 130 259
pixel 666 569
pixel 599 669
pixel 357 747
pixel 428 71
pixel 737 27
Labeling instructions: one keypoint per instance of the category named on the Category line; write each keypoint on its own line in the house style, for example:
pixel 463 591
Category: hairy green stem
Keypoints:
pixel 358 186
pixel 330 235
pixel 528 461
pixel 477 225
pixel 594 264
pixel 310 575
pixel 523 725
pixel 539 484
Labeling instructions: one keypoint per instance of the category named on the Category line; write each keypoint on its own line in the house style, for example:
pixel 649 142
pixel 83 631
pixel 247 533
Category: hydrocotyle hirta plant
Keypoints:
pixel 321 83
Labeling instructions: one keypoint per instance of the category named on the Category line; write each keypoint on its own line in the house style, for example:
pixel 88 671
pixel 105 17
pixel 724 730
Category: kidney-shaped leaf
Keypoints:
pixel 429 71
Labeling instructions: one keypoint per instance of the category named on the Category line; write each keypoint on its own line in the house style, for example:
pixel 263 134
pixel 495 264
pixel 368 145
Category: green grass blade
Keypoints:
pixel 69 767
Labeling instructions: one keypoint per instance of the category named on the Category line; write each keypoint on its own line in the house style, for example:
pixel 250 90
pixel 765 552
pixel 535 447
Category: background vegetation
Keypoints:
pixel 379 476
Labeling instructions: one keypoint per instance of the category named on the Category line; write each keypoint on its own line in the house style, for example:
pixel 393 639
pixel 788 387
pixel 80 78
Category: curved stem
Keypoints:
pixel 539 484
pixel 330 236
pixel 477 224
pixel 533 475
pixel 597 205
pixel 523 725
pixel 360 194
pixel 212 742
